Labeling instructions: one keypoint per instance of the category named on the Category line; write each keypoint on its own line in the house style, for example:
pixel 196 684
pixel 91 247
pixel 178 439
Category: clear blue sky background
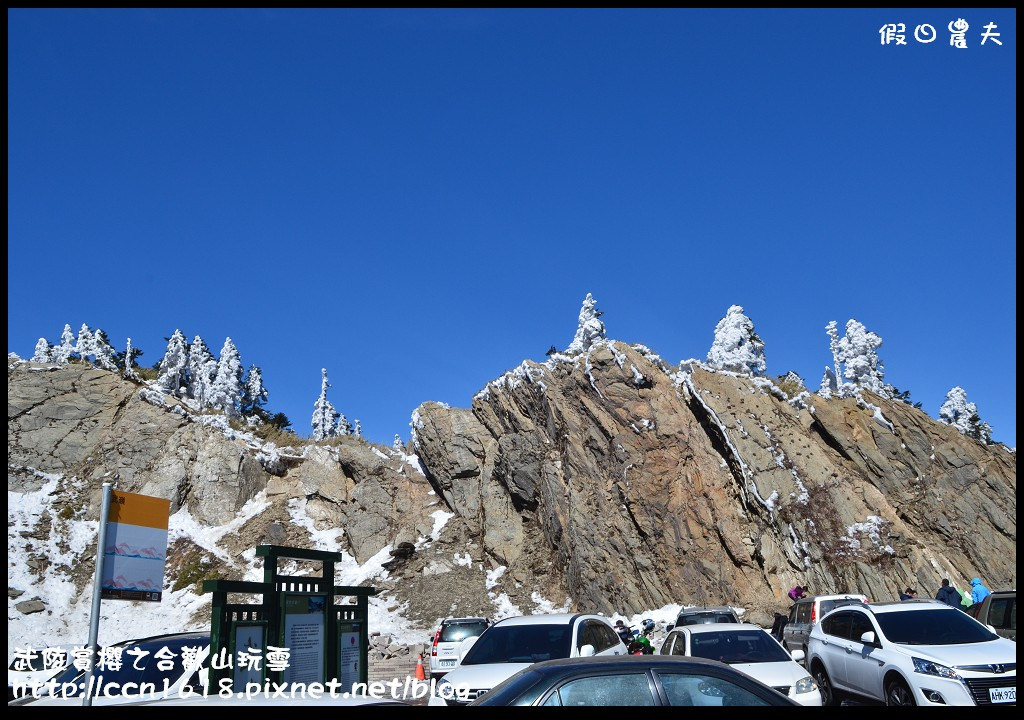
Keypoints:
pixel 418 201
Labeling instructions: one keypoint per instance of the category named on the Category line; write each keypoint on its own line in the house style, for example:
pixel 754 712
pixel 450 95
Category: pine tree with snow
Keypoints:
pixel 173 368
pixel 737 347
pixel 226 393
pixel 103 352
pixel 42 351
pixel 254 395
pixel 829 383
pixel 130 354
pixel 857 350
pixel 833 345
pixel 85 346
pixel 344 426
pixel 202 371
pixel 589 330
pixel 398 446
pixel 63 352
pixel 358 431
pixel 963 415
pixel 325 417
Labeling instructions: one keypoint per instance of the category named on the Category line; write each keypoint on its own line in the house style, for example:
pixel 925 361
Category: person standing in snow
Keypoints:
pixel 948 595
pixel 978 591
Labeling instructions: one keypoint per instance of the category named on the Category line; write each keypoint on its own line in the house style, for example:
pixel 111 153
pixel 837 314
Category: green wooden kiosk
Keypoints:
pixel 305 630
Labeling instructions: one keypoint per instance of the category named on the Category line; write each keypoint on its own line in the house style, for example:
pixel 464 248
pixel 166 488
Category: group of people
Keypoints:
pixel 953 597
pixel 962 600
pixel 947 594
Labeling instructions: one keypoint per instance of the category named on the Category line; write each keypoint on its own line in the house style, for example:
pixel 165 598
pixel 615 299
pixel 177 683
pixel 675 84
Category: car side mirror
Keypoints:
pixel 587 651
pixel 992 628
pixel 465 645
pixel 797 655
pixel 868 638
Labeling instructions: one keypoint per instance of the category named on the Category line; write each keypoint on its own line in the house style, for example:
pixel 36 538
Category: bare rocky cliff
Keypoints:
pixel 645 487
pixel 606 480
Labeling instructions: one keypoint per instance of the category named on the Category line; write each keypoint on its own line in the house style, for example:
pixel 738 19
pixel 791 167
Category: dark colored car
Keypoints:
pixel 632 680
pixel 704 616
pixel 169 663
pixel 998 610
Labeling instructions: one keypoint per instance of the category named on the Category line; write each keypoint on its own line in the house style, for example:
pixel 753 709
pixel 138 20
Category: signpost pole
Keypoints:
pixel 94 619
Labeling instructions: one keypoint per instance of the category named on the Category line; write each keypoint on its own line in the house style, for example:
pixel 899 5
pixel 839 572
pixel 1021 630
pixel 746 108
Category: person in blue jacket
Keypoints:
pixel 948 595
pixel 978 591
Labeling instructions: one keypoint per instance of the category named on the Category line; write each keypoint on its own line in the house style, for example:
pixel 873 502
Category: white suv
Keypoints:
pixel 917 652
pixel 512 644
pixel 444 650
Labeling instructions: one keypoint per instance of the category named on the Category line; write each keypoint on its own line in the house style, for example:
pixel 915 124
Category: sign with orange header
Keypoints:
pixel 135 547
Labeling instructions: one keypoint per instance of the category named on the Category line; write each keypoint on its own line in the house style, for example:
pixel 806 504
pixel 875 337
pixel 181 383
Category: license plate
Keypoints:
pixel 451 663
pixel 1003 695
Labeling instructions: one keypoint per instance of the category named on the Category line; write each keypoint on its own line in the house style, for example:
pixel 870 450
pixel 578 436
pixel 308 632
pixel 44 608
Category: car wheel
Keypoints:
pixel 897 693
pixel 824 685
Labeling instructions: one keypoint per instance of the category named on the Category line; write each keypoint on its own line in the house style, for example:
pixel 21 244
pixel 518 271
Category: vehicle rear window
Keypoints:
pixel 1002 613
pixel 521 644
pixel 933 627
pixel 705 619
pixel 827 605
pixel 457 632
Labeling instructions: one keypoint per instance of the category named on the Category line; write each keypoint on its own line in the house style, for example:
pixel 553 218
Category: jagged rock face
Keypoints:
pixel 646 489
pixel 79 420
pixel 604 478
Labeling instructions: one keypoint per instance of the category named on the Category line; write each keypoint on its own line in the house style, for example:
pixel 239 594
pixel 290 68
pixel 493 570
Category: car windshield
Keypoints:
pixel 705 619
pixel 33 662
pixel 521 644
pixel 138 665
pixel 737 646
pixel 932 627
pixel 456 632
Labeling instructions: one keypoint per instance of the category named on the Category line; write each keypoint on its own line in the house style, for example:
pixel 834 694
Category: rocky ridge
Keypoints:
pixel 607 480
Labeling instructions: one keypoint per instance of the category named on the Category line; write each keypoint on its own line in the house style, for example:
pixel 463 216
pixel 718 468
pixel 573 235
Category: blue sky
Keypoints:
pixel 419 200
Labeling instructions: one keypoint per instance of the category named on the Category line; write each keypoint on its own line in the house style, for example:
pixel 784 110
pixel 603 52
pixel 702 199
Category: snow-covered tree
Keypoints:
pixel 129 361
pixel 358 431
pixel 325 417
pixel 254 395
pixel 829 383
pixel 226 393
pixel 398 445
pixel 833 345
pixel 42 352
pixel 590 328
pixel 62 353
pixel 857 350
pixel 85 346
pixel 963 415
pixel 173 368
pixel 102 351
pixel 344 426
pixel 202 371
pixel 736 346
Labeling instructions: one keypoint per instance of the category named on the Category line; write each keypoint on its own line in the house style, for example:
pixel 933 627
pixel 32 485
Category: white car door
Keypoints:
pixel 864 662
pixel 835 645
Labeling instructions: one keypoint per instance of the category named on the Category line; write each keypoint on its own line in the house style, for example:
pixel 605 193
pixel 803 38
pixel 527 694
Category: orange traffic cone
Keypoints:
pixel 419 668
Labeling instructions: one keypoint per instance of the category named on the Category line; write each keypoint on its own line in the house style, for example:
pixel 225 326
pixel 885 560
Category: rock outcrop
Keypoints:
pixel 606 478
pixel 648 487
